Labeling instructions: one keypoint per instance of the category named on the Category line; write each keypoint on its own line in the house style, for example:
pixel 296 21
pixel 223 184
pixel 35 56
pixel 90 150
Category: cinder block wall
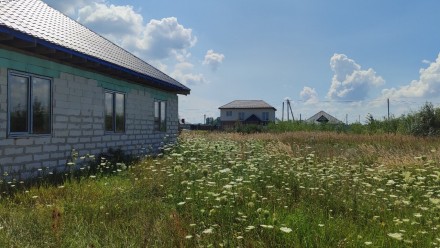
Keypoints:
pixel 78 122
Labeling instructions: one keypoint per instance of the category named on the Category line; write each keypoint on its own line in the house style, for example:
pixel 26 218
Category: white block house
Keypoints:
pixel 64 87
pixel 246 112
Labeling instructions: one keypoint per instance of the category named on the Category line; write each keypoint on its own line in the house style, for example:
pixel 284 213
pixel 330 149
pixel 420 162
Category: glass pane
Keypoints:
pixel 156 116
pixel 109 112
pixel 120 109
pixel 19 87
pixel 163 116
pixel 41 119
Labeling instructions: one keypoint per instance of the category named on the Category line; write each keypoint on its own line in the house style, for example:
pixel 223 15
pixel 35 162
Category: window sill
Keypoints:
pixel 28 136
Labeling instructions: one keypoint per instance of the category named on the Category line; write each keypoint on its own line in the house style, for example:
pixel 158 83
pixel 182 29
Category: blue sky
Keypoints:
pixel 345 57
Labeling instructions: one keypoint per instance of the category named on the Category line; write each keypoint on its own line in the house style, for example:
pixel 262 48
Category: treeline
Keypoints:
pixel 424 122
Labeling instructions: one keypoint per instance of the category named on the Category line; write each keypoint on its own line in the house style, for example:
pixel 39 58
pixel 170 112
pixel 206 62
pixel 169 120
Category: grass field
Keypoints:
pixel 298 189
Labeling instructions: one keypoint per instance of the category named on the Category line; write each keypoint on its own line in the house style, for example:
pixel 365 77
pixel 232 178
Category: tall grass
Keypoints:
pixel 232 190
pixel 424 122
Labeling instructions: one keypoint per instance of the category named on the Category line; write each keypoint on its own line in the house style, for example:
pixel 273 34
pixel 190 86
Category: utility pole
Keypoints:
pixel 282 115
pixel 388 103
pixel 290 107
pixel 288 110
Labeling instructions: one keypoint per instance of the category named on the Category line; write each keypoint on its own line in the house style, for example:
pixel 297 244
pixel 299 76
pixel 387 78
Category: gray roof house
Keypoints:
pixel 322 117
pixel 64 87
pixel 246 112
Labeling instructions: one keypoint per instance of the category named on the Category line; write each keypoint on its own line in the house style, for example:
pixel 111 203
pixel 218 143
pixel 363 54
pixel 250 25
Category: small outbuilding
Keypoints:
pixel 246 112
pixel 64 87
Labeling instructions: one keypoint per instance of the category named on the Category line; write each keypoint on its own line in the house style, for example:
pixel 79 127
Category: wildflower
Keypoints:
pixel 285 229
pixel 321 225
pixel 390 182
pixel 227 186
pixel 188 236
pixel 417 215
pixel 181 203
pixel 250 228
pixel 266 226
pixel 208 231
pixel 368 243
pixel 397 236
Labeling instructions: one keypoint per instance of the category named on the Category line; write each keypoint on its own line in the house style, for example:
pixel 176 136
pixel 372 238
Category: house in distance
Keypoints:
pixel 256 112
pixel 323 118
pixel 64 87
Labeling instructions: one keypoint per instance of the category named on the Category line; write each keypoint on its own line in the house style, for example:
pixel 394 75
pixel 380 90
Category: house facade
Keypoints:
pixel 256 112
pixel 64 87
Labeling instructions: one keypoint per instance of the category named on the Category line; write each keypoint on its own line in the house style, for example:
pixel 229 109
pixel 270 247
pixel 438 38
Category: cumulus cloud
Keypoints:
pixel 182 73
pixel 349 81
pixel 427 85
pixel 165 36
pixel 160 42
pixel 111 20
pixel 309 95
pixel 69 7
pixel 157 39
pixel 213 59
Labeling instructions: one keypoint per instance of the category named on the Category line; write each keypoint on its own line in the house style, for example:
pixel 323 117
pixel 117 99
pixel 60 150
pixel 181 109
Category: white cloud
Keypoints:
pixel 427 85
pixel 349 81
pixel 113 21
pixel 309 95
pixel 165 37
pixel 157 39
pixel 164 43
pixel 182 73
pixel 213 59
pixel 71 7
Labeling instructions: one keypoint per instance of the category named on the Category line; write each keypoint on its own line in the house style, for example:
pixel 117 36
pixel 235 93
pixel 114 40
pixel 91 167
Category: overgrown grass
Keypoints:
pixel 423 123
pixel 232 190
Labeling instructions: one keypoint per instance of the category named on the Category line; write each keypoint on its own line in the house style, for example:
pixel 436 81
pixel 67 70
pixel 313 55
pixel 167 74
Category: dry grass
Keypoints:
pixel 385 149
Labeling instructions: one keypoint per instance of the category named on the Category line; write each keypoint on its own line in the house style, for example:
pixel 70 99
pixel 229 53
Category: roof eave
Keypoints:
pixel 88 62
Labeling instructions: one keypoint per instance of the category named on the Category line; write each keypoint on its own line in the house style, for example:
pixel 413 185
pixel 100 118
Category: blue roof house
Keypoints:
pixel 64 87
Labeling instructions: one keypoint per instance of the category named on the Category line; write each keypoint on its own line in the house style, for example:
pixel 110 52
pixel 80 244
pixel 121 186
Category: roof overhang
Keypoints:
pixel 41 48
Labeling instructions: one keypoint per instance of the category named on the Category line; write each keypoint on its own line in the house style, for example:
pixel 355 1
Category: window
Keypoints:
pixel 114 112
pixel 241 116
pixel 29 104
pixel 265 116
pixel 228 113
pixel 160 116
